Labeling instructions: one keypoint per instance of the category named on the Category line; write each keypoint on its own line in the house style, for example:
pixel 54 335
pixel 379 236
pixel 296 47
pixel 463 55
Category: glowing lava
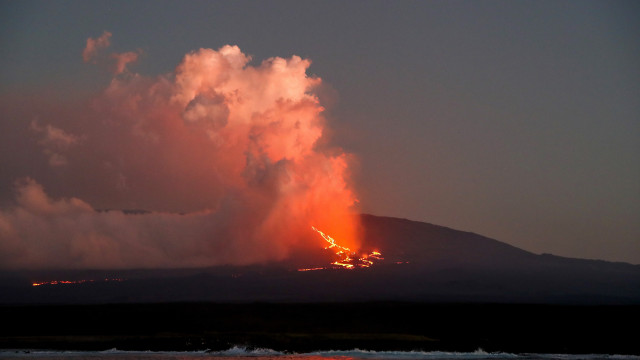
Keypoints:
pixel 61 282
pixel 347 259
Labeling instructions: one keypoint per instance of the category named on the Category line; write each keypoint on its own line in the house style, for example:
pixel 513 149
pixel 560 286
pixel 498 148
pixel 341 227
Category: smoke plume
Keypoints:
pixel 228 159
pixel 94 45
pixel 117 62
pixel 54 142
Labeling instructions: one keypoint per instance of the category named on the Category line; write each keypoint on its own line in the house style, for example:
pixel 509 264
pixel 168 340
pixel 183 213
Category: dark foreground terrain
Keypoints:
pixel 306 327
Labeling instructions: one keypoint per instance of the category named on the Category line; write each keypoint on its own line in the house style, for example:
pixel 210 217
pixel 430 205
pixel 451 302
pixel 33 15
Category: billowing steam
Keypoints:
pixel 118 62
pixel 228 157
pixel 94 45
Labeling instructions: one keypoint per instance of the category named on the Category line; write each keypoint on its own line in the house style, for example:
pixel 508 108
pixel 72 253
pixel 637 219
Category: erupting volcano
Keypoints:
pixel 229 161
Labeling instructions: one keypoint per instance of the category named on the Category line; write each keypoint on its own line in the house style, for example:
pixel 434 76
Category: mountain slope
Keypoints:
pixel 433 245
pixel 455 264
pixel 422 262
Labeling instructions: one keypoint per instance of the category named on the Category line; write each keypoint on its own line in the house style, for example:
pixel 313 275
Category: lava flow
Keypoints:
pixel 60 282
pixel 347 259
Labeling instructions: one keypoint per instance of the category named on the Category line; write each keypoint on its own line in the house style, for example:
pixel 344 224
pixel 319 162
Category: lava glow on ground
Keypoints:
pixel 62 282
pixel 347 259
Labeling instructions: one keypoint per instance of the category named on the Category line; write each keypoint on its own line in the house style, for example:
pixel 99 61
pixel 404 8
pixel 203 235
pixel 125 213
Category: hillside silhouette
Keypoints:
pixel 422 262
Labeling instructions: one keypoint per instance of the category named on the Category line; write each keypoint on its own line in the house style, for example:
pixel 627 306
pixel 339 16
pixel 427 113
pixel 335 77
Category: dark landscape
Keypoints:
pixel 436 289
pixel 328 326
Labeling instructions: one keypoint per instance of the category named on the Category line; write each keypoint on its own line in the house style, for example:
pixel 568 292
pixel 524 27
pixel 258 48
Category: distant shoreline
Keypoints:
pixel 303 328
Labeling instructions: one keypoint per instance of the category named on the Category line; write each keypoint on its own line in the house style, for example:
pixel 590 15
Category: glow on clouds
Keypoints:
pixel 235 148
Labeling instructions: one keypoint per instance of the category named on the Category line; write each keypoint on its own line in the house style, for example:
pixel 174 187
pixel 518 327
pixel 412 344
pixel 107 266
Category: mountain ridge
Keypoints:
pixel 422 263
pixel 370 219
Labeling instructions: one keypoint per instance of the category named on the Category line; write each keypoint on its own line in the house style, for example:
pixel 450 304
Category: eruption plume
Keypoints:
pixel 225 158
pixel 91 53
pixel 94 45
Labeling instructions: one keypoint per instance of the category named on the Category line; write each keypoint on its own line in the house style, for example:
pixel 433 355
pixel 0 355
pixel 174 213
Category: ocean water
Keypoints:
pixel 237 353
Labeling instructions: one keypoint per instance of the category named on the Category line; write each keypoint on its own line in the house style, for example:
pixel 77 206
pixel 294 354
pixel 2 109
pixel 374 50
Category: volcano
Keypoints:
pixel 418 262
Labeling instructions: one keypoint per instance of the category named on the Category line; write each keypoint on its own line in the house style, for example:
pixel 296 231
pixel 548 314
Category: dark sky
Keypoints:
pixel 516 120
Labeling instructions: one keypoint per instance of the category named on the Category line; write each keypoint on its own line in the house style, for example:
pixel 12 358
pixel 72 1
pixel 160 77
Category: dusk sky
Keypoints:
pixel 519 121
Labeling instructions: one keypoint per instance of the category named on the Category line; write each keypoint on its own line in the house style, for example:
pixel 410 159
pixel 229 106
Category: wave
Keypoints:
pixel 235 351
pixel 371 354
pixel 241 351
pixel 244 351
pixel 475 355
pixel 37 353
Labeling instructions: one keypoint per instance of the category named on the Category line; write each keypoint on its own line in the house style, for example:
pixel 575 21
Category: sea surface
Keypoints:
pixel 238 353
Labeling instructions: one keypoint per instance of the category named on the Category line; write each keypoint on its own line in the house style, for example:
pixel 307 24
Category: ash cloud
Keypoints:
pixel 116 62
pixel 54 142
pixel 121 60
pixel 68 233
pixel 93 46
pixel 226 156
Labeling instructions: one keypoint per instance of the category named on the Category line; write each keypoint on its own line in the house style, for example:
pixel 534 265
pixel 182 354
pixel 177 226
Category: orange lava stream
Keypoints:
pixel 60 282
pixel 347 259
pixel 332 243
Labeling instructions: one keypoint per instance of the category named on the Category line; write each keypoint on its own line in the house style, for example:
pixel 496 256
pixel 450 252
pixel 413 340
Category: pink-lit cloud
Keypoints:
pixel 115 62
pixel 69 233
pixel 121 60
pixel 54 142
pixel 94 45
pixel 234 148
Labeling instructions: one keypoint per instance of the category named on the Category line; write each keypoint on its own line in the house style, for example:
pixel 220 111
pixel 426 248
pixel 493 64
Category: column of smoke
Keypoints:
pixel 227 156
